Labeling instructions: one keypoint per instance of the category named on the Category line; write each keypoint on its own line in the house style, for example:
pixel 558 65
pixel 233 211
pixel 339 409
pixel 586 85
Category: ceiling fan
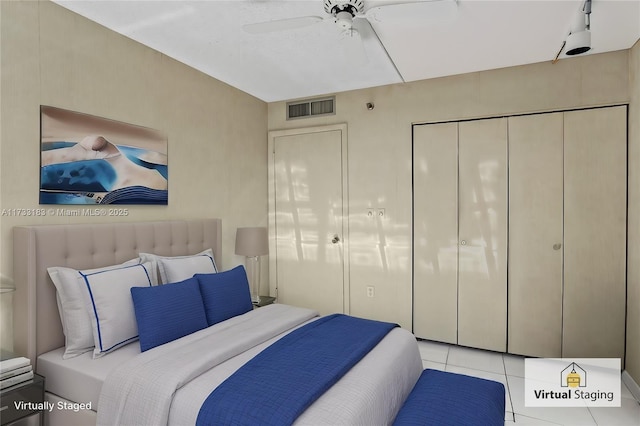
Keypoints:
pixel 354 19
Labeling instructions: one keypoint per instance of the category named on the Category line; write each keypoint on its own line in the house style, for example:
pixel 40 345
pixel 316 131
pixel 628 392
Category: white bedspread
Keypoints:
pixel 167 384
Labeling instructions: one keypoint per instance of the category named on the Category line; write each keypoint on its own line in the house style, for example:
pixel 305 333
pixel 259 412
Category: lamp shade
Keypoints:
pixel 252 241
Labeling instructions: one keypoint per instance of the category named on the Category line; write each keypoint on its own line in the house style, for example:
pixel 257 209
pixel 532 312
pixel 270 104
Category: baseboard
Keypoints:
pixel 631 384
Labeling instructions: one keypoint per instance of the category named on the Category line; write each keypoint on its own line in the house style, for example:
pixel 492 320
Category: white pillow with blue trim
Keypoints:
pixel 76 322
pixel 173 269
pixel 109 304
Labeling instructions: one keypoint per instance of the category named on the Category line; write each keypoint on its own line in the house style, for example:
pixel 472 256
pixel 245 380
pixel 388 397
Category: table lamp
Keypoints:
pixel 253 242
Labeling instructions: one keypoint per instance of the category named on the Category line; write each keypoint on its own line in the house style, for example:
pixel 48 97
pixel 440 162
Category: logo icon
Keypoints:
pixel 573 376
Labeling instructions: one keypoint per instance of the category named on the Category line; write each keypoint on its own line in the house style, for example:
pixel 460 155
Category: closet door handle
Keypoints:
pixel 463 242
pixel 335 239
pixel 557 246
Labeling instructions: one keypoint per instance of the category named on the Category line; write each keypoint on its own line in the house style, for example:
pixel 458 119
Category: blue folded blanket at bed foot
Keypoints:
pixel 279 383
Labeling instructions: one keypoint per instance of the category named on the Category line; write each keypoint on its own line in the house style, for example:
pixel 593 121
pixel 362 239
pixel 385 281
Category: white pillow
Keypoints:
pixel 76 322
pixel 110 306
pixel 179 268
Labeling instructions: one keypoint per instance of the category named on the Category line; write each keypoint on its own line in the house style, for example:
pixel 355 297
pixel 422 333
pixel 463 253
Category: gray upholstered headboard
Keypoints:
pixel 37 326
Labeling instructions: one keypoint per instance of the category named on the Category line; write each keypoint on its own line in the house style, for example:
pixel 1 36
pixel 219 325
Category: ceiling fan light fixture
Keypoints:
pixel 344 19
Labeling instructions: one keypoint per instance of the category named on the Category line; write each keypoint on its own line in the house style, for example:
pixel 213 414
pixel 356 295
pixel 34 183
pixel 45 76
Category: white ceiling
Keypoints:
pixel 317 59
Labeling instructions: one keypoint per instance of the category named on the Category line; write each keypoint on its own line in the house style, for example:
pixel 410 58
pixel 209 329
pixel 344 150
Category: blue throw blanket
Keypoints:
pixel 278 384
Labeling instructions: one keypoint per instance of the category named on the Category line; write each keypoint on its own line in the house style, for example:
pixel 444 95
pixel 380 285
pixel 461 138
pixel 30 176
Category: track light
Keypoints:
pixel 578 43
pixel 579 40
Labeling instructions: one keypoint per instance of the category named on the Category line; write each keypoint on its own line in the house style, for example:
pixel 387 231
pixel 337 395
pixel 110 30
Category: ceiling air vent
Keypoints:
pixel 311 108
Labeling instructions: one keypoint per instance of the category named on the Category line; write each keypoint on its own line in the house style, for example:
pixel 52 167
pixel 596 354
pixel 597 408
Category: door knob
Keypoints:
pixel 463 243
pixel 557 246
pixel 335 239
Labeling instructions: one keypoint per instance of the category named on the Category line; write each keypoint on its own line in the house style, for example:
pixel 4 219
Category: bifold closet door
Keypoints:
pixel 595 175
pixel 482 234
pixel 535 235
pixel 435 255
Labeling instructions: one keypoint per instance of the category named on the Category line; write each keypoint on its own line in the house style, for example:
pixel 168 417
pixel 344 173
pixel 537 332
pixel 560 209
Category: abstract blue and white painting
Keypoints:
pixel 86 159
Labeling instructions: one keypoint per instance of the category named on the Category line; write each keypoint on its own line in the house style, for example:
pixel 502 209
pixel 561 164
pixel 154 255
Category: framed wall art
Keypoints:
pixel 86 159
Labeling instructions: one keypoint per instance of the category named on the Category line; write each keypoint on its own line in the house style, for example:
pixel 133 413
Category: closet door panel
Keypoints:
pixel 435 256
pixel 482 235
pixel 595 232
pixel 535 235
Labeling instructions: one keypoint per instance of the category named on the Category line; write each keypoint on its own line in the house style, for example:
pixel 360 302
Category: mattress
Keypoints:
pixel 80 379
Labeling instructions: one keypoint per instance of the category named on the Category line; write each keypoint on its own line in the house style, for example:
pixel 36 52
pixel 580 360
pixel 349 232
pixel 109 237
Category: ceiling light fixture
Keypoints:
pixel 579 40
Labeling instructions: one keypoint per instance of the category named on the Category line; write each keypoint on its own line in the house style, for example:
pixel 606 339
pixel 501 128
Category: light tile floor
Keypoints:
pixel 509 370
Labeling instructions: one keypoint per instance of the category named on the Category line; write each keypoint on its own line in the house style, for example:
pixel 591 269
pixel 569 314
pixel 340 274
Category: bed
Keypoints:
pixel 371 392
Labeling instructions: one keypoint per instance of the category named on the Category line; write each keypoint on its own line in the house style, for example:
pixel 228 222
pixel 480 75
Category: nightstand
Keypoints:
pixel 30 392
pixel 264 301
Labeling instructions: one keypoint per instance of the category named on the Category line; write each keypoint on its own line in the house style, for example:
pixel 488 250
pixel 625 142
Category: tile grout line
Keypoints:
pixel 508 389
pixel 592 416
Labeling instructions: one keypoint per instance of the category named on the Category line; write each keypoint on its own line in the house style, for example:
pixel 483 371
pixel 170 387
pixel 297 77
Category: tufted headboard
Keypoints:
pixel 37 326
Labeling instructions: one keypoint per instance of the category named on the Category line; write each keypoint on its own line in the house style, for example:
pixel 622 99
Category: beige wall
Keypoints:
pixel 633 258
pixel 216 133
pixel 379 154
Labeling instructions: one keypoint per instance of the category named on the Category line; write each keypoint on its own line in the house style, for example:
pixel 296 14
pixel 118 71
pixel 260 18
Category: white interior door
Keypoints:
pixel 535 234
pixel 482 234
pixel 435 231
pixel 308 208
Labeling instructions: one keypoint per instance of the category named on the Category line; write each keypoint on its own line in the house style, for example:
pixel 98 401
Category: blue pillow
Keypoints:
pixel 168 312
pixel 225 294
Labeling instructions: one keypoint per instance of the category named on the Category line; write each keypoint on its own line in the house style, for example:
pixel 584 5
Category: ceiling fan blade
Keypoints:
pixel 367 32
pixel 353 46
pixel 423 11
pixel 281 24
